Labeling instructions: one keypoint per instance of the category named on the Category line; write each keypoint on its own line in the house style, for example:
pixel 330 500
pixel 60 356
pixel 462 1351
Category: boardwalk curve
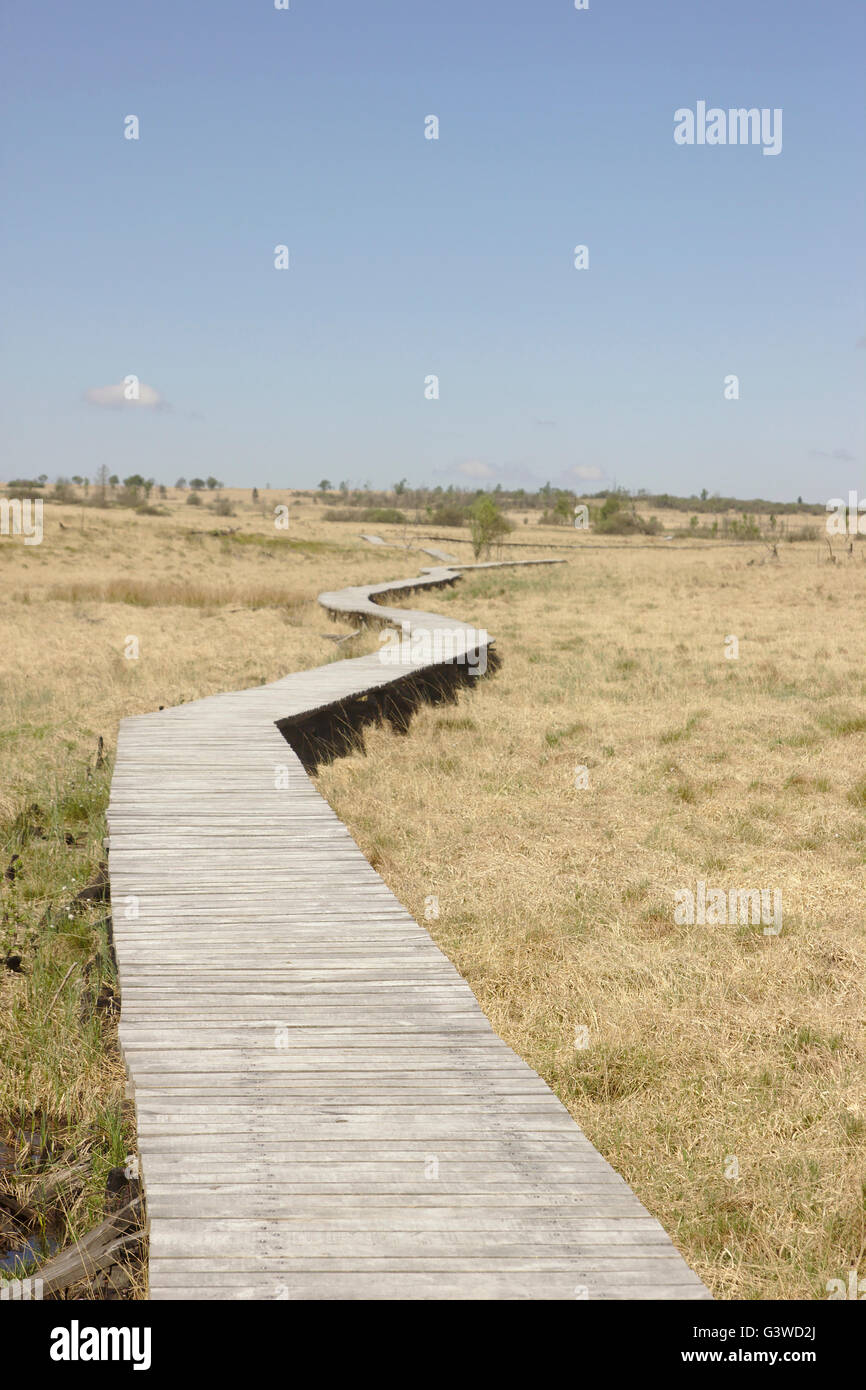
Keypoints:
pixel 323 1110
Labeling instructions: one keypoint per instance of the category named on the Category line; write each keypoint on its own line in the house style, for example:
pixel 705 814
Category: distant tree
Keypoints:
pixel 618 516
pixel 255 494
pixel 704 494
pixel 148 486
pixel 114 481
pixel 486 524
pixel 196 484
pixel 42 479
pixel 213 483
pixel 86 483
pixel 163 490
pixel 77 479
pixel 344 488
pixel 133 488
pixel 324 485
pixel 400 487
pixel 180 484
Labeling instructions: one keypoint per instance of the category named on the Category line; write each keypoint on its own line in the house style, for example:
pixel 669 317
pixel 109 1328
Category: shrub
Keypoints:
pixel 128 497
pixel 383 515
pixel 193 499
pixel 563 512
pixel 64 491
pixel 745 530
pixel 449 514
pixel 23 487
pixel 613 519
pixel 487 525
pixel 19 492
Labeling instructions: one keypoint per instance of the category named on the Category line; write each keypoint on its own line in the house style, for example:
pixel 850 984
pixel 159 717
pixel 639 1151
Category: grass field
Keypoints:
pixel 718 1068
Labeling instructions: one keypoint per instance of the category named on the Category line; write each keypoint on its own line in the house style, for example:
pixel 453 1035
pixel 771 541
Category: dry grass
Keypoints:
pixel 156 593
pixel 556 903
pixel 706 1043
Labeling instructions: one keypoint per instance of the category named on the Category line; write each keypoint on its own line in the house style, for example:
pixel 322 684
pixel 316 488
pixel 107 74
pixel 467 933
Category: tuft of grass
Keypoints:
pixel 807 784
pixel 842 722
pixel 857 794
pixel 685 792
pixel 682 731
pixel 607 1075
pixel 554 737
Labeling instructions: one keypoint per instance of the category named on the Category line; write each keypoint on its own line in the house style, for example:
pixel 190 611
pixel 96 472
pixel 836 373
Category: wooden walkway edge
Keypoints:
pixel 323 1110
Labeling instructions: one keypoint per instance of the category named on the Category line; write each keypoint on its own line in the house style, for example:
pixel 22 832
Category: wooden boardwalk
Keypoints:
pixel 433 550
pixel 323 1110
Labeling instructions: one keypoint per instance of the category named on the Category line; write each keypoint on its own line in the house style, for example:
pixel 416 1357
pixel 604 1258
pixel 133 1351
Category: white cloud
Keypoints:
pixel 474 468
pixel 125 393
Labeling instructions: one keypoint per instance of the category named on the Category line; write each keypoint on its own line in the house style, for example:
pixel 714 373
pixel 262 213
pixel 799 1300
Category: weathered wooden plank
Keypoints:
pixel 455 1282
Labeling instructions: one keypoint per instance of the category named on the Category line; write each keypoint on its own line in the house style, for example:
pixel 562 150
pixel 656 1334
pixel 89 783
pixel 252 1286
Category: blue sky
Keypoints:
pixel 453 257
